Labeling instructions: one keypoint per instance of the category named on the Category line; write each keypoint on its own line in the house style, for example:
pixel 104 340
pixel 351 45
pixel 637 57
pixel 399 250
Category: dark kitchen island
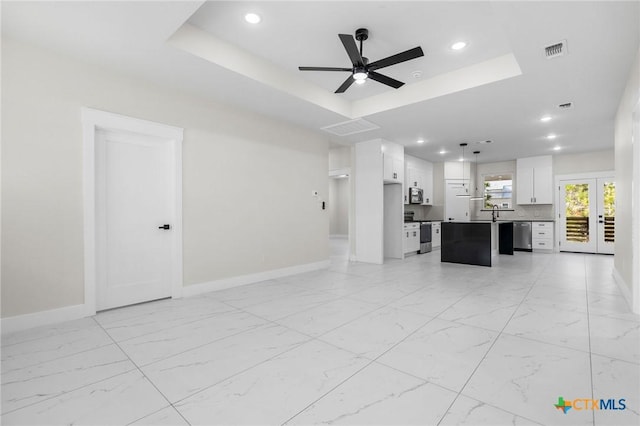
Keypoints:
pixel 473 243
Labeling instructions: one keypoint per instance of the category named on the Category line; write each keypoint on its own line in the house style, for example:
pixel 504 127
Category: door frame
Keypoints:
pixel 574 176
pixel 93 120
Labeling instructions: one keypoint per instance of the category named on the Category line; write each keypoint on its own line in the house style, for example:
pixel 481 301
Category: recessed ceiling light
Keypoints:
pixel 459 45
pixel 420 141
pixel 557 148
pixel 551 136
pixel 442 151
pixel 252 18
pixel 545 118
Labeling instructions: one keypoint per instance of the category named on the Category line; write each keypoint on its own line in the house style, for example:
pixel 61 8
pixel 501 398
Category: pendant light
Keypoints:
pixel 476 197
pixel 466 192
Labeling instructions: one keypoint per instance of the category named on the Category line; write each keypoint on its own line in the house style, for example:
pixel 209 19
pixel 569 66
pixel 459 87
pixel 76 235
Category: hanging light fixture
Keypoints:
pixel 466 191
pixel 477 197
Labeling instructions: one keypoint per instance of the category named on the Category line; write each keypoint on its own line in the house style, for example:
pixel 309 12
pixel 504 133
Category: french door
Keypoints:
pixel 587 215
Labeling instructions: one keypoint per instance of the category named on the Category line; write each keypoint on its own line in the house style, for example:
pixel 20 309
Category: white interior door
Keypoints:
pixel 587 215
pixel 134 198
pixel 457 201
pixel 606 214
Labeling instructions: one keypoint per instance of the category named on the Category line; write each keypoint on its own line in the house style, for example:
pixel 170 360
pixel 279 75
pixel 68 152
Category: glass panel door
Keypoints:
pixel 606 215
pixel 578 231
pixel 587 215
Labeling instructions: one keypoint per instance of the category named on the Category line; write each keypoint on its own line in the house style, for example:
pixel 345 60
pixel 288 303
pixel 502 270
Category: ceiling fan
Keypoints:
pixel 361 68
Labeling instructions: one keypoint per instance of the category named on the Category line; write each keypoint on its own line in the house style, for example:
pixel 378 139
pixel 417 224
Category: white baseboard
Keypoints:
pixel 37 319
pixel 195 289
pixel 69 313
pixel 622 285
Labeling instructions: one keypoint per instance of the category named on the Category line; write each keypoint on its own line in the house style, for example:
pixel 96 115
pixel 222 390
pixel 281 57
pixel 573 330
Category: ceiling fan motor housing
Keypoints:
pixel 362 34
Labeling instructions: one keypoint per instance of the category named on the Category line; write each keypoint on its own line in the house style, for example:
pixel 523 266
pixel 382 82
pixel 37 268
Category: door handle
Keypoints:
pixel 165 226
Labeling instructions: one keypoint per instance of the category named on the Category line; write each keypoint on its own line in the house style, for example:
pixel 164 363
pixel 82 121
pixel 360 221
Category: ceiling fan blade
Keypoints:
pixel 385 80
pixel 350 46
pixel 323 69
pixel 344 86
pixel 407 55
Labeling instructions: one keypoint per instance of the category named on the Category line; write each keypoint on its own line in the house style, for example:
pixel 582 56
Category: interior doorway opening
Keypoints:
pixel 339 200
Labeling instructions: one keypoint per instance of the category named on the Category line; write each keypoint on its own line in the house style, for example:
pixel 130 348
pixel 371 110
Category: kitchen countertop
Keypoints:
pixel 488 221
pixel 515 220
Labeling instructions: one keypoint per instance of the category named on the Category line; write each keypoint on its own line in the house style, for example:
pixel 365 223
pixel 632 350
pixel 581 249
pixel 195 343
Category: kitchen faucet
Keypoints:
pixel 495 212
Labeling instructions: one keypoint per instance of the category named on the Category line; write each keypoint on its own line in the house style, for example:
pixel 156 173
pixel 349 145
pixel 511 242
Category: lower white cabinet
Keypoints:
pixel 411 237
pixel 542 236
pixel 436 236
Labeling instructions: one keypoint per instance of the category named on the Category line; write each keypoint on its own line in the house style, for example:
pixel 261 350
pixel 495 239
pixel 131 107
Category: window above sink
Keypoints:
pixel 497 191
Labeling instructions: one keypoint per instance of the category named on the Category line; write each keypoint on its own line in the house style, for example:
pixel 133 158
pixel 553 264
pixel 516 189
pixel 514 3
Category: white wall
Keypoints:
pixel 624 153
pixel 339 189
pixel 247 179
pixel 340 158
pixel 595 161
pixel 369 202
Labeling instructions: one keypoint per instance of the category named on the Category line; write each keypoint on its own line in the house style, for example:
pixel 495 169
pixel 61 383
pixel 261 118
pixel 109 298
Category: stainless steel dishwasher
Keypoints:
pixel 522 236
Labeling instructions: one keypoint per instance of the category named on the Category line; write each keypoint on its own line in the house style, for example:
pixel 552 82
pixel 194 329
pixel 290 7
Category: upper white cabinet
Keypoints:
pixel 457 170
pixel 419 174
pixel 393 162
pixel 534 180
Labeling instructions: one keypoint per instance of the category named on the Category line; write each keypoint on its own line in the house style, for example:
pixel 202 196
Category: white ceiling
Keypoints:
pixel 449 104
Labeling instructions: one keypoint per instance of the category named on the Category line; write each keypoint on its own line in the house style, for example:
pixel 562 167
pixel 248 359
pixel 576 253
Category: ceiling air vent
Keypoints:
pixel 556 49
pixel 350 127
pixel 565 105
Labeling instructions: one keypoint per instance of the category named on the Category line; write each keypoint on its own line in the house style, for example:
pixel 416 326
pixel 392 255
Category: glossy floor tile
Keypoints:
pixel 413 341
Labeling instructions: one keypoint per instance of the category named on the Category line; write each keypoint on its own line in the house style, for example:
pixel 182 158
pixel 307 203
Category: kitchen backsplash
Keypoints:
pixel 519 212
pixel 539 212
pixel 425 212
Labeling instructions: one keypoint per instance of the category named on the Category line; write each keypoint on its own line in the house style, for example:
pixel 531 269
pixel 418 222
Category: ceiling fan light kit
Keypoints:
pixel 361 69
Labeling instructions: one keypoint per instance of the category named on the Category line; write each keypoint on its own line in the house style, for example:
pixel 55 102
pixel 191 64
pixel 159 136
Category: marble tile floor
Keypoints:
pixel 409 342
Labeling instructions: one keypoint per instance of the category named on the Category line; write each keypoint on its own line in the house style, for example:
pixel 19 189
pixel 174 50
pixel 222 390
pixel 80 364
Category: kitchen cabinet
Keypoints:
pixel 419 174
pixel 534 180
pixel 392 169
pixel 392 162
pixel 414 177
pixel 436 234
pixel 542 236
pixel 411 237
